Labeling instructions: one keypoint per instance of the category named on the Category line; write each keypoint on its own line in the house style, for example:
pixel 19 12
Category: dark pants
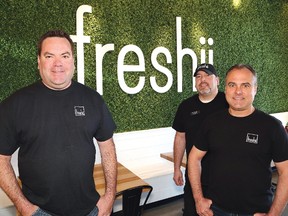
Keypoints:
pixel 220 212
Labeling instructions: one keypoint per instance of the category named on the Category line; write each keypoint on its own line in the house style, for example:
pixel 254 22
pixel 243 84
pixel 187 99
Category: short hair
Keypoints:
pixel 54 33
pixel 241 66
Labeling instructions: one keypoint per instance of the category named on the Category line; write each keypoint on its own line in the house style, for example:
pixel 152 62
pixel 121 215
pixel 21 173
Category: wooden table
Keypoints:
pixel 125 179
pixel 169 156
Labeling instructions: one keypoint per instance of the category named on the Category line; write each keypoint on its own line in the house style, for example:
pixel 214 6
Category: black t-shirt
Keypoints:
pixel 189 117
pixel 191 113
pixel 55 131
pixel 240 153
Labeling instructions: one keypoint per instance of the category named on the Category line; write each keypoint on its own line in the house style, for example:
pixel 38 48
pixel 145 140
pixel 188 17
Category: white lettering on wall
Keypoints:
pixel 180 54
pixel 101 50
pixel 161 69
pixel 80 39
pixel 121 68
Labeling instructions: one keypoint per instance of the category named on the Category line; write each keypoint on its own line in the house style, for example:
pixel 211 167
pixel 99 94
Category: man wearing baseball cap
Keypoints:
pixel 207 68
pixel 189 116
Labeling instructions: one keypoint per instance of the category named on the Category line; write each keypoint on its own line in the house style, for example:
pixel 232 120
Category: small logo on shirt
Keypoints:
pixel 79 110
pixel 252 138
pixel 195 112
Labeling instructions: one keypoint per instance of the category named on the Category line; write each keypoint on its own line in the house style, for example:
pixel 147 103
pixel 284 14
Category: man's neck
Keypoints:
pixel 241 113
pixel 206 98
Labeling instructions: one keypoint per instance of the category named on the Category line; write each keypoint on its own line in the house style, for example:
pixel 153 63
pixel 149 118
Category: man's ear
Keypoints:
pixel 38 61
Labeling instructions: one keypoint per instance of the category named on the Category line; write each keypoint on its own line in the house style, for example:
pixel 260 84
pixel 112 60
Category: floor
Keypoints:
pixel 174 208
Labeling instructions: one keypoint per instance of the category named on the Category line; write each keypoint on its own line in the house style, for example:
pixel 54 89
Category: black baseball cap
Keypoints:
pixel 207 68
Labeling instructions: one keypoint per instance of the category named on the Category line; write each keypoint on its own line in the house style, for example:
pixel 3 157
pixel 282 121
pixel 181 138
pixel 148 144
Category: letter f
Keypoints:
pixel 80 39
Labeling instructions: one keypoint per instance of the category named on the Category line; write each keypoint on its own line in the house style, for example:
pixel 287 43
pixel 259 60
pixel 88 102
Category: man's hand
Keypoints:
pixel 178 177
pixel 105 205
pixel 203 207
pixel 28 210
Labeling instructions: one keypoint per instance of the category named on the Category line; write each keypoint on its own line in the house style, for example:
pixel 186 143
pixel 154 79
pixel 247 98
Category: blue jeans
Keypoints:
pixel 220 212
pixel 41 212
pixel 94 212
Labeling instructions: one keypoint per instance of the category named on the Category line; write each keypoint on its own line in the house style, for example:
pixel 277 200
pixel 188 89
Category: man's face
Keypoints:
pixel 240 90
pixel 206 84
pixel 56 63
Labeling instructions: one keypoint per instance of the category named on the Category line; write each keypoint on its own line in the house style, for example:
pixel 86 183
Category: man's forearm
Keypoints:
pixel 194 174
pixel 109 163
pixel 178 149
pixel 178 157
pixel 10 186
pixel 281 196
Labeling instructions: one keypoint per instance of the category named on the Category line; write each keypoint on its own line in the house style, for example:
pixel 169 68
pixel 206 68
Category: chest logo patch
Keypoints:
pixel 79 110
pixel 195 112
pixel 252 138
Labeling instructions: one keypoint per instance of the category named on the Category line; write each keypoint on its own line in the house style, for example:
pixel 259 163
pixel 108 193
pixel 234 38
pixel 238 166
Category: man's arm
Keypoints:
pixel 109 164
pixel 281 195
pixel 10 186
pixel 178 152
pixel 194 173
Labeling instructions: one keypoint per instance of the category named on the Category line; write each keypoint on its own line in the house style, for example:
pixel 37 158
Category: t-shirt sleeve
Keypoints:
pixel 107 125
pixel 280 143
pixel 8 137
pixel 178 120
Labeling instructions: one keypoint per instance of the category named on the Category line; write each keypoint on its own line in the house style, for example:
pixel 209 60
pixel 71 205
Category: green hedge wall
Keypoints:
pixel 253 32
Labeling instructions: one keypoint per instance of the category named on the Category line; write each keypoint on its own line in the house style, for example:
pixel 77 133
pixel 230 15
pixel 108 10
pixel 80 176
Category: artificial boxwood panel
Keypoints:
pixel 253 32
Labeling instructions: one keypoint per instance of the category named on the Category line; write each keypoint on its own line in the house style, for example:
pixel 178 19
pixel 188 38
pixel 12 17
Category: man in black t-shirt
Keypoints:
pixel 189 116
pixel 241 142
pixel 53 123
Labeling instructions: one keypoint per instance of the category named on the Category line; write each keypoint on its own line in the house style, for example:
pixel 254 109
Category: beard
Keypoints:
pixel 205 91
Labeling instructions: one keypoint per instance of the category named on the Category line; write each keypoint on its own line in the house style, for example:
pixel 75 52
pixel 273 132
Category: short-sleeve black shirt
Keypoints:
pixel 191 113
pixel 189 117
pixel 55 131
pixel 240 152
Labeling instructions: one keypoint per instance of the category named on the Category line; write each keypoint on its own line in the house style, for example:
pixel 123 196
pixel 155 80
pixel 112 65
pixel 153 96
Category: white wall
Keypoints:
pixel 283 117
pixel 140 151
